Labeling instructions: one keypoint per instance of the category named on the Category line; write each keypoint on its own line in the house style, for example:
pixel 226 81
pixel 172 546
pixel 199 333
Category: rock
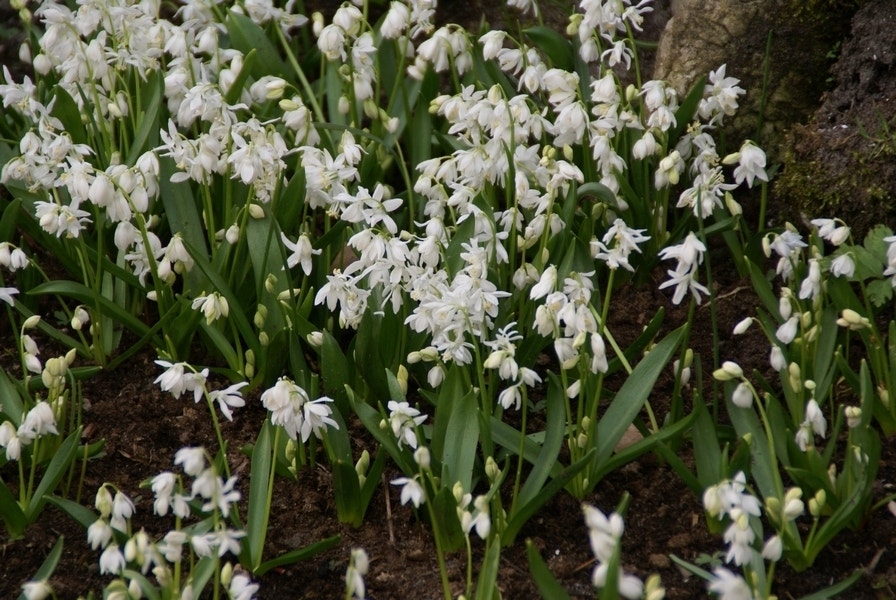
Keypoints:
pixel 780 42
pixel 841 162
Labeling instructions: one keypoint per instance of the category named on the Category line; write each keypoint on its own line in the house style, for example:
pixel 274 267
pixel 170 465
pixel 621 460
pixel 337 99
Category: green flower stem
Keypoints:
pixel 291 57
pixel 440 551
pixel 519 455
pixel 217 423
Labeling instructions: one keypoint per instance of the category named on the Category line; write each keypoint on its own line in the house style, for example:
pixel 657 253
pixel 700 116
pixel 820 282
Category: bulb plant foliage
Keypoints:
pixel 423 230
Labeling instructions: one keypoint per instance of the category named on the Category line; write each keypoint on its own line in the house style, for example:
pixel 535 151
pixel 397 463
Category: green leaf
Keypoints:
pixel 334 371
pixel 557 48
pixel 462 438
pixel 836 589
pixel 553 442
pixel 707 454
pixel 298 555
pixel 487 586
pixel 12 513
pixel 633 394
pixel 64 456
pixel 516 521
pixel 598 190
pixel 83 515
pixel 239 82
pixel 547 584
pixel 371 418
pixel 66 110
pixel 880 292
pixel 149 590
pixel 10 400
pixel 246 36
pixel 49 565
pixel 149 118
pixel 85 295
pixel 259 482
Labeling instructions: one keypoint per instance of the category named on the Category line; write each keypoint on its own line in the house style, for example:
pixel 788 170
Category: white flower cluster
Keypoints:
pixel 160 557
pixel 292 409
pixel 605 534
pixel 730 499
pixel 181 377
pixel 42 417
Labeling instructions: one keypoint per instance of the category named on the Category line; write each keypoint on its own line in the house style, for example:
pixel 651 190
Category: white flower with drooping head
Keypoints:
pixel 229 397
pixel 213 307
pixel 358 565
pixel 729 586
pixel 403 419
pixel 605 533
pixel 411 491
pixel 179 378
pixel 751 164
pixel 192 460
pixel 843 266
pixel 624 241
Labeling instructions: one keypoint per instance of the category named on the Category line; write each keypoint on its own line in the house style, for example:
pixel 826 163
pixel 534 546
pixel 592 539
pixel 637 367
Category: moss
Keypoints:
pixel 823 10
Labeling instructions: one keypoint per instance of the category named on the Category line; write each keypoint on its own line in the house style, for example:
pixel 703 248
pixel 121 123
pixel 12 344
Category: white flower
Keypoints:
pixel 242 588
pixel 843 266
pixel 229 397
pixel 213 307
pixel 742 396
pixel 547 283
pixel 122 511
pixel 9 439
pixel 751 165
pixel 776 358
pixel 787 330
pixel 358 565
pixel 811 285
pixel 112 560
pixel 742 326
pixel 163 486
pixel 403 419
pixel 7 293
pixel 317 417
pixel 36 590
pixel 285 401
pixel 302 251
pixel 177 380
pixel 411 491
pixel 192 460
pixel 39 421
pixel 729 586
pixel 99 534
pixel 773 549
pixel 626 241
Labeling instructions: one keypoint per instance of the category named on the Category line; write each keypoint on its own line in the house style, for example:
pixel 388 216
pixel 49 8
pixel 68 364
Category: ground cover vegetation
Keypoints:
pixel 418 235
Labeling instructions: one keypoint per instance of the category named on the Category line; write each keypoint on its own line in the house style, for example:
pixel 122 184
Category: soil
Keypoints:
pixel 143 427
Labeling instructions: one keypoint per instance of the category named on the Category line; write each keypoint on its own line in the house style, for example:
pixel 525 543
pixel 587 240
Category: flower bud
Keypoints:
pixel 256 211
pixel 31 322
pixel 742 395
pixel 492 470
pixel 315 338
pixel 402 378
pixel 729 371
pixel 742 326
pixel 422 457
pixel 773 549
pixel 853 320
